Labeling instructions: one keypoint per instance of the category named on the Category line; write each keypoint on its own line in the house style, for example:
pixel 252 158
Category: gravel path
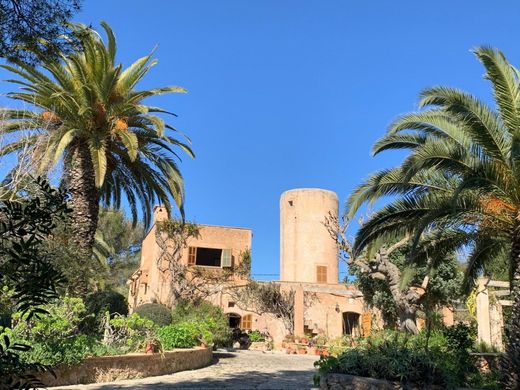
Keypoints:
pixel 236 370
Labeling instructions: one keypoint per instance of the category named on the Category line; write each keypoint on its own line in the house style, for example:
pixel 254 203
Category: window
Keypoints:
pixel 208 257
pixel 231 304
pixel 321 274
pixel 246 322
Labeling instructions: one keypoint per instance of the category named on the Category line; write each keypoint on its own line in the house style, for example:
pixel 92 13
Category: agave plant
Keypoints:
pixel 86 112
pixel 459 185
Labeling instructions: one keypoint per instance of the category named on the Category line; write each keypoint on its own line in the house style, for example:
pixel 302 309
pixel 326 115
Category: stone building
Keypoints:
pixel 308 266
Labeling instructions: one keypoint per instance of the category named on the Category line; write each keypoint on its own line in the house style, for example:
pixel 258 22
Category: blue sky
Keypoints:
pixel 286 94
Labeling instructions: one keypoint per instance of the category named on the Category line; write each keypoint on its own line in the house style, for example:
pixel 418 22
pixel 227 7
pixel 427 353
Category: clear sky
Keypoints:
pixel 286 94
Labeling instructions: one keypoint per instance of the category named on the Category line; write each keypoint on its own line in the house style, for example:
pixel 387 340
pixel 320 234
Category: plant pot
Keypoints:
pixel 304 340
pixel 302 351
pixel 149 349
pixel 325 352
pixel 318 352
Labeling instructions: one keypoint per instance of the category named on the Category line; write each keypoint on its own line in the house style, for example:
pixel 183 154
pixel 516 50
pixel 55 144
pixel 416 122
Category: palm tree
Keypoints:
pixel 88 114
pixel 459 185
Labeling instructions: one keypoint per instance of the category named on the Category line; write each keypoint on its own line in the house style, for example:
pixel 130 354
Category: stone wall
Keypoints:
pixel 131 366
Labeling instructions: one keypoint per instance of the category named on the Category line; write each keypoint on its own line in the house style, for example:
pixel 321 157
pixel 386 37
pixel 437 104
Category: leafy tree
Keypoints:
pixel 459 185
pixel 443 286
pixel 89 114
pixel 391 284
pixel 28 274
pixel 116 253
pixel 33 30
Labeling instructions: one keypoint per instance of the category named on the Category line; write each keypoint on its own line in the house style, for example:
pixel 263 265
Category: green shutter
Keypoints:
pixel 226 258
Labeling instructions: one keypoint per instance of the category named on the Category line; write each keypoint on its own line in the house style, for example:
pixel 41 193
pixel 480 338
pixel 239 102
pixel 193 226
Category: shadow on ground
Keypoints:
pixel 243 380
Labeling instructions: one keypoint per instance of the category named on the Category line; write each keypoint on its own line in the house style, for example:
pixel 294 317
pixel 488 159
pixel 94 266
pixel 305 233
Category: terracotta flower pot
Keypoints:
pixel 302 351
pixel 304 340
pixel 149 349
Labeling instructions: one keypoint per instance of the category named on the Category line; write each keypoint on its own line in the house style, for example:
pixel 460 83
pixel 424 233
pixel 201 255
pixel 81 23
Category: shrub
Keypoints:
pixel 54 337
pixel 129 333
pixel 256 336
pixel 183 335
pixel 156 312
pixel 97 304
pixel 388 359
pixel 441 358
pixel 211 320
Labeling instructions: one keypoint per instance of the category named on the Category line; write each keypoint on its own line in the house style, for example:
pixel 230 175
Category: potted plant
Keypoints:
pixel 152 345
pixel 302 350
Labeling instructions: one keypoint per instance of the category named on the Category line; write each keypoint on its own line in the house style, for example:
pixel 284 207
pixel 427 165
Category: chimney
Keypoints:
pixel 160 213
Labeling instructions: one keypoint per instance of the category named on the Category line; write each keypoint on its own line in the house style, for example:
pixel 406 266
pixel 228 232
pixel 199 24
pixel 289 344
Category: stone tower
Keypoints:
pixel 307 251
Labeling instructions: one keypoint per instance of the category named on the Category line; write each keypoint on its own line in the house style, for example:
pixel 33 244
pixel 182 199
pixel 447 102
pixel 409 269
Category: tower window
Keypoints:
pixel 321 274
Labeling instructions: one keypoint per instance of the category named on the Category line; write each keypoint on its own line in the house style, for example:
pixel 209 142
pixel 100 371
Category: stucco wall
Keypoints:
pixel 151 284
pixel 305 242
pixel 112 368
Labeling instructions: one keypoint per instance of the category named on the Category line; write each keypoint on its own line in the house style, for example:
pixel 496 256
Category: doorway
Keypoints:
pixel 351 323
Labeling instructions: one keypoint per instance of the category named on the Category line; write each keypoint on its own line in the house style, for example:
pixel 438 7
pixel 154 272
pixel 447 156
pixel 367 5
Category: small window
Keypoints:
pixel 231 304
pixel 321 274
pixel 246 322
pixel 192 255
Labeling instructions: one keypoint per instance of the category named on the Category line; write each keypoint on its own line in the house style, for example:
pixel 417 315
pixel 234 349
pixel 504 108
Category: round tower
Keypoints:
pixel 307 251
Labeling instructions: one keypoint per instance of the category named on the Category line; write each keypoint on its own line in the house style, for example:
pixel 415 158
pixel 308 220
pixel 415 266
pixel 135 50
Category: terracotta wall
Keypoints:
pixel 305 243
pixel 150 283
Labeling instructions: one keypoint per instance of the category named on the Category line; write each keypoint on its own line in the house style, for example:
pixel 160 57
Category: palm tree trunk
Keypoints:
pixel 79 180
pixel 511 361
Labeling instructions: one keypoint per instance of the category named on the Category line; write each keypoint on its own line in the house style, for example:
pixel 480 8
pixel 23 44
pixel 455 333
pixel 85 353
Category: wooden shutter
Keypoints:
pixel 225 258
pixel 321 274
pixel 246 322
pixel 366 323
pixel 192 255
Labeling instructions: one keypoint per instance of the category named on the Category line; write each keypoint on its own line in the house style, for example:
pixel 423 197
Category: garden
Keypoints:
pixel 445 358
pixel 75 329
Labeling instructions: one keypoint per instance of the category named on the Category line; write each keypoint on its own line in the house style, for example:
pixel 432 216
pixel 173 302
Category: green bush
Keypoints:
pixel 54 337
pixel 441 358
pixel 97 304
pixel 255 336
pixel 183 335
pixel 159 314
pixel 130 333
pixel 210 319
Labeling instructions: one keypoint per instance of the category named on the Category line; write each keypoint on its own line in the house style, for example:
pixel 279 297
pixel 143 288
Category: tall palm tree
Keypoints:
pixel 460 182
pixel 87 113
